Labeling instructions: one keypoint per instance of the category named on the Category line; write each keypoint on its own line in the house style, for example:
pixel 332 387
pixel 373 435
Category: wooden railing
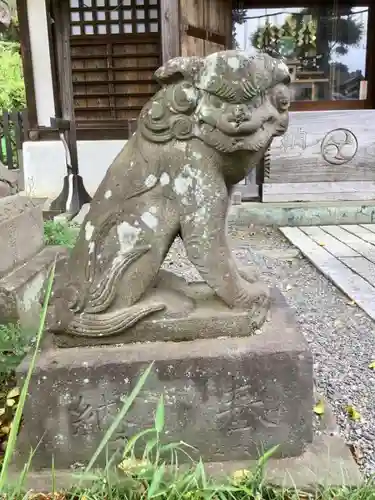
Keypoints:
pixel 13 128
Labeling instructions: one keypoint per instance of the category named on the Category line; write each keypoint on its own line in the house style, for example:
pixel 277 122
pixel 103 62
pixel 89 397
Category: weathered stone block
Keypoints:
pixel 231 398
pixel 21 231
pixel 5 189
pixel 20 290
pixel 11 177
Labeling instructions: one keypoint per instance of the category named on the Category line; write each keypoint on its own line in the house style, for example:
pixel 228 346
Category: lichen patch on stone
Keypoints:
pixel 164 179
pixel 181 145
pixel 127 236
pixel 234 62
pixel 150 220
pixel 183 181
pixel 91 247
pixel 89 230
pixel 150 181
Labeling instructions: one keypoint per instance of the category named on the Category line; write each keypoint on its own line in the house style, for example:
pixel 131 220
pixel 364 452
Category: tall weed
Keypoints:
pixel 18 415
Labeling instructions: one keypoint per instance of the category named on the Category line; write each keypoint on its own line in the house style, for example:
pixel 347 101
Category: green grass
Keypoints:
pixel 14 345
pixel 191 486
pixel 155 473
pixel 57 233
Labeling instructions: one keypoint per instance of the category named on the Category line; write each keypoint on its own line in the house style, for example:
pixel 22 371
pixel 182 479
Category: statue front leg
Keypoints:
pixel 204 236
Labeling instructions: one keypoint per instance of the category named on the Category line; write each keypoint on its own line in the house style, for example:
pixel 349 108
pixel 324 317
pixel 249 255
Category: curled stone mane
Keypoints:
pixel 238 77
pixel 232 76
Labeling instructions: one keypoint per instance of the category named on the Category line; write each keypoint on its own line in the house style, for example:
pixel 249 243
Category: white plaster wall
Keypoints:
pixel 41 59
pixel 45 167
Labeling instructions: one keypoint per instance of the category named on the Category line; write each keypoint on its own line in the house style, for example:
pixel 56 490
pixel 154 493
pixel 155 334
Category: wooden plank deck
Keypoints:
pixel 344 254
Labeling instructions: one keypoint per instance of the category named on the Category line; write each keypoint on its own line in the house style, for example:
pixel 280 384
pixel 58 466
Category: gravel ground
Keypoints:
pixel 341 336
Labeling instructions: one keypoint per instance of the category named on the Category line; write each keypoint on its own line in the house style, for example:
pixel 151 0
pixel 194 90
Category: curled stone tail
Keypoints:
pixel 103 290
pixel 108 324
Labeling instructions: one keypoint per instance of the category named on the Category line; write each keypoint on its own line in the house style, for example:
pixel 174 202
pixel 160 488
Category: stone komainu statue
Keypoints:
pixel 210 123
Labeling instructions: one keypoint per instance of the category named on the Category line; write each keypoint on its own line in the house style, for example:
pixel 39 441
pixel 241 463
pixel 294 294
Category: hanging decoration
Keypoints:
pixel 277 33
pixel 292 39
pixel 307 36
pixel 265 38
pixel 309 60
pixel 287 43
pixel 289 28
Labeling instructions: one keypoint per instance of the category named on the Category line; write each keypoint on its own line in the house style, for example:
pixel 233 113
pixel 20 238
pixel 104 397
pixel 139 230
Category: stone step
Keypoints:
pixel 290 213
pixel 20 290
pixel 306 213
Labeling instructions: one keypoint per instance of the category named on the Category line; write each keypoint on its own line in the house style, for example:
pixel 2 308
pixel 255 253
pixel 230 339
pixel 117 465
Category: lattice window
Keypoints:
pixel 115 48
pixel 112 17
pixel 112 80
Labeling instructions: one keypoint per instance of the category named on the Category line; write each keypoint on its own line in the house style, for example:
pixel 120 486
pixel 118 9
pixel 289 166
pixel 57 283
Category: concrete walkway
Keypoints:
pixel 345 254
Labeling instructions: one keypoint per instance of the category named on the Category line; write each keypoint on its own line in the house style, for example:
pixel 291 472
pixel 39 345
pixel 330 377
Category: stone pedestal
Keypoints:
pixel 24 261
pixel 230 397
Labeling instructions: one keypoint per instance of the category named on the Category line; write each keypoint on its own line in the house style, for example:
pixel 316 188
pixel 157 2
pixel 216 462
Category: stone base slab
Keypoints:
pixel 193 311
pixel 230 398
pixel 326 462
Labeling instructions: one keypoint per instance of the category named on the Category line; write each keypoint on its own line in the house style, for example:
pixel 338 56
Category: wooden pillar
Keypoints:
pixel 52 49
pixel 23 19
pixel 64 69
pixel 370 63
pixel 63 57
pixel 170 29
pixel 206 26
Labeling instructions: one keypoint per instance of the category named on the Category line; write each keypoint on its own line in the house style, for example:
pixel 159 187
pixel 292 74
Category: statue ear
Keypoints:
pixel 179 68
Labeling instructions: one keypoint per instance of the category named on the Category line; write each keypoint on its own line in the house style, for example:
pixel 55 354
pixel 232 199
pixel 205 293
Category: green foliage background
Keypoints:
pixel 12 89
